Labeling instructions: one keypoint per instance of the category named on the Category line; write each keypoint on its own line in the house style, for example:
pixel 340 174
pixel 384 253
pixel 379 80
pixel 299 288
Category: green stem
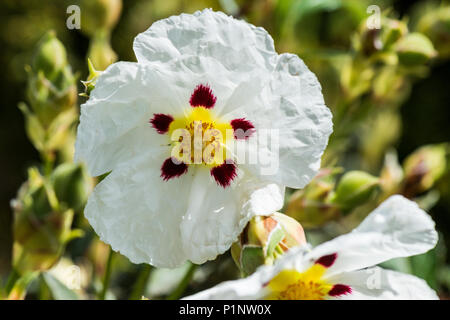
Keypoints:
pixel 178 292
pixel 107 276
pixel 48 158
pixel 12 278
pixel 141 282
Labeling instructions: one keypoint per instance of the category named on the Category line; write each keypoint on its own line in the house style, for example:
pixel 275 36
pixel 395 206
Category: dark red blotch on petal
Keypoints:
pixel 202 97
pixel 171 169
pixel 328 260
pixel 161 122
pixel 242 128
pixel 224 174
pixel 339 290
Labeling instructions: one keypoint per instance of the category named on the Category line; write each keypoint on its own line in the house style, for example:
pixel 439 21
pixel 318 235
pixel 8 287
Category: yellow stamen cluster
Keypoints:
pixel 294 285
pixel 199 137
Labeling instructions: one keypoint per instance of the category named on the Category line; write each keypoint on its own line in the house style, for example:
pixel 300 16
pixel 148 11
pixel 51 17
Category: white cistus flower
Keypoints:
pixel 344 268
pixel 198 78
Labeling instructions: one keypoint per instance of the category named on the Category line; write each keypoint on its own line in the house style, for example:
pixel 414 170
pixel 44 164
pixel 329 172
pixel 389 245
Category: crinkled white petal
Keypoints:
pixel 397 228
pixel 238 61
pixel 250 288
pixel 216 216
pixel 114 123
pixel 165 223
pixel 254 287
pixel 238 46
pixel 139 215
pixel 272 91
pixel 381 284
pixel 290 115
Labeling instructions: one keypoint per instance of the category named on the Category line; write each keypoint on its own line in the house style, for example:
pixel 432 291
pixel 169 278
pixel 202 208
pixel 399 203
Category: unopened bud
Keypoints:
pixel 423 168
pixel 44 243
pixel 47 99
pixel 101 53
pixel 72 185
pixel 99 15
pixel 415 49
pixel 354 189
pixel 50 56
pixel 41 228
pixel 265 239
pixel 435 24
pixel 51 87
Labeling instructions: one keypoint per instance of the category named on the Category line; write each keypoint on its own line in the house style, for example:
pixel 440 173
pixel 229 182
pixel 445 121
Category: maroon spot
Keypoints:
pixel 242 128
pixel 171 169
pixel 161 122
pixel 328 260
pixel 224 174
pixel 202 97
pixel 339 290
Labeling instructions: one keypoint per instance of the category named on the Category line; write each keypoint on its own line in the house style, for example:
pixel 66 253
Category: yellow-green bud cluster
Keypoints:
pixel 98 19
pixel 43 213
pixel 52 95
pixel 264 239
pixel 322 201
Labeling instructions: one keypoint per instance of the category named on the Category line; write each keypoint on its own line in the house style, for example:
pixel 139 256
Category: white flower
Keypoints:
pixel 343 268
pixel 158 207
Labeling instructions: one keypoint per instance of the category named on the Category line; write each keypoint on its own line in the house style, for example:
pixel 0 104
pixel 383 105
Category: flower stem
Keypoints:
pixel 49 160
pixel 178 292
pixel 107 276
pixel 12 278
pixel 141 282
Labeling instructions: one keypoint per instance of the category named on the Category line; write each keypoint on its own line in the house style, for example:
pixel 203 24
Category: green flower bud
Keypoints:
pixel 72 185
pixel 47 99
pixel 45 242
pixel 101 53
pixel 51 87
pixel 99 15
pixel 354 189
pixel 50 56
pixel 414 49
pixel 423 168
pixel 33 199
pixel 435 24
pixel 310 206
pixel 264 239
pixel 41 228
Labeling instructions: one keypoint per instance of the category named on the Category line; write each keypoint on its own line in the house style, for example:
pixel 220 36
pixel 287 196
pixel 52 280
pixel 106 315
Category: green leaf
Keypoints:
pixel 424 266
pixel 399 264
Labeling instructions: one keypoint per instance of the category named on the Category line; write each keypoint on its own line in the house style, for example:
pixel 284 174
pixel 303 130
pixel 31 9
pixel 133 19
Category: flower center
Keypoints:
pixel 294 285
pixel 308 285
pixel 302 290
pixel 200 138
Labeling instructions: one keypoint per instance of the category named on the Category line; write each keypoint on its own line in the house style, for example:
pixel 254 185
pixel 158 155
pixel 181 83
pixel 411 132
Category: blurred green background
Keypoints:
pixel 399 114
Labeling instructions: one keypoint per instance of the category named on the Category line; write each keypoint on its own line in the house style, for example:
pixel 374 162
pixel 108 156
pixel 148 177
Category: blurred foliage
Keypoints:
pixel 385 80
